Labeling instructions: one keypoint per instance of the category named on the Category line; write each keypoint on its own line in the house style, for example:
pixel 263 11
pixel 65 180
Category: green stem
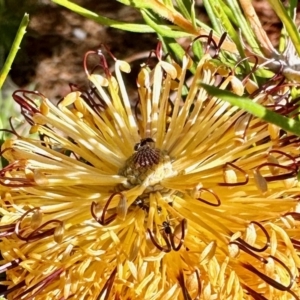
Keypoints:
pixel 14 49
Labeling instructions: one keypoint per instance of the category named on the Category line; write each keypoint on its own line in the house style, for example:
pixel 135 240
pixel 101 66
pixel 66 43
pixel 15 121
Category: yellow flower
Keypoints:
pixel 181 196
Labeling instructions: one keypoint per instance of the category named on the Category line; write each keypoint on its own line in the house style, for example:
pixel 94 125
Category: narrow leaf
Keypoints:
pixel 185 8
pixel 255 109
pixel 287 22
pixel 164 31
pixel 243 24
pixel 104 20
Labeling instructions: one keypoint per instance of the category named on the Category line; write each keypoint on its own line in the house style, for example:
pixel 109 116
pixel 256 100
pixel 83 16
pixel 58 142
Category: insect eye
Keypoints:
pixel 137 146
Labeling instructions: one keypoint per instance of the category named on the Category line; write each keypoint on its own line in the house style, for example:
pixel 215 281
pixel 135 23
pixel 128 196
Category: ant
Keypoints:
pixel 166 227
pixel 169 237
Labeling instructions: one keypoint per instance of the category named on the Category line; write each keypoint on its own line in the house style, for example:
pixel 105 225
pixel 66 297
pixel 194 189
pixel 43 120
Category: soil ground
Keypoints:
pixel 57 39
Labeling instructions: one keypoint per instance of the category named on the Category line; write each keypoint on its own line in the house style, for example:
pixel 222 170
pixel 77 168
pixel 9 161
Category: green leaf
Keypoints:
pixel 231 32
pixel 292 8
pixel 164 31
pixel 287 22
pixel 255 109
pixel 137 3
pixel 104 20
pixel 185 7
pixel 193 14
pixel 14 49
pixel 243 24
pixel 208 4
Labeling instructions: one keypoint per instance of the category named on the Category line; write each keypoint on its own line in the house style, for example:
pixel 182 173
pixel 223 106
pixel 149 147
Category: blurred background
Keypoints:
pixel 52 50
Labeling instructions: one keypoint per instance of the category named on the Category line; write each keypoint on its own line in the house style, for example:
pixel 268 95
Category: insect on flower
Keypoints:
pixel 144 142
pixel 167 227
pixel 146 154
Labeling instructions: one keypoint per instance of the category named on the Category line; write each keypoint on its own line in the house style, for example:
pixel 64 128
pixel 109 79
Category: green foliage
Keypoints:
pixel 6 103
pixel 14 49
pixel 243 23
pixel 255 109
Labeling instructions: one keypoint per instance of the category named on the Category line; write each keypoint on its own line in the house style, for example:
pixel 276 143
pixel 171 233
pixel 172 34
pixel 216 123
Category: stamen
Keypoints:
pixel 122 208
pixel 286 155
pixel 102 61
pixel 86 95
pixel 20 182
pixel 270 82
pixel 241 125
pixel 253 293
pixel 268 279
pixel 28 106
pixel 210 41
pixel 36 218
pixel 103 220
pixel 248 251
pixel 180 278
pixel 14 288
pixel 158 53
pixel 108 285
pixel 246 176
pixel 169 111
pixel 10 265
pixel 252 71
pixel 219 46
pixel 42 284
pixel 199 283
pixel 210 44
pixel 260 181
pixel 208 202
pixel 295 215
pixel 265 247
pixel 166 248
pixel 36 234
pixel 284 176
pixel 182 227
pixel 7 230
pixel 296 243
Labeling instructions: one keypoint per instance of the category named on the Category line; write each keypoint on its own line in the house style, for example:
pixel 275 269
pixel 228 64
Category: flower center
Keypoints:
pixel 147 166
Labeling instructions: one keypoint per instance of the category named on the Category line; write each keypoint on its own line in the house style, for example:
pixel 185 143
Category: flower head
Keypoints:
pixel 180 196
